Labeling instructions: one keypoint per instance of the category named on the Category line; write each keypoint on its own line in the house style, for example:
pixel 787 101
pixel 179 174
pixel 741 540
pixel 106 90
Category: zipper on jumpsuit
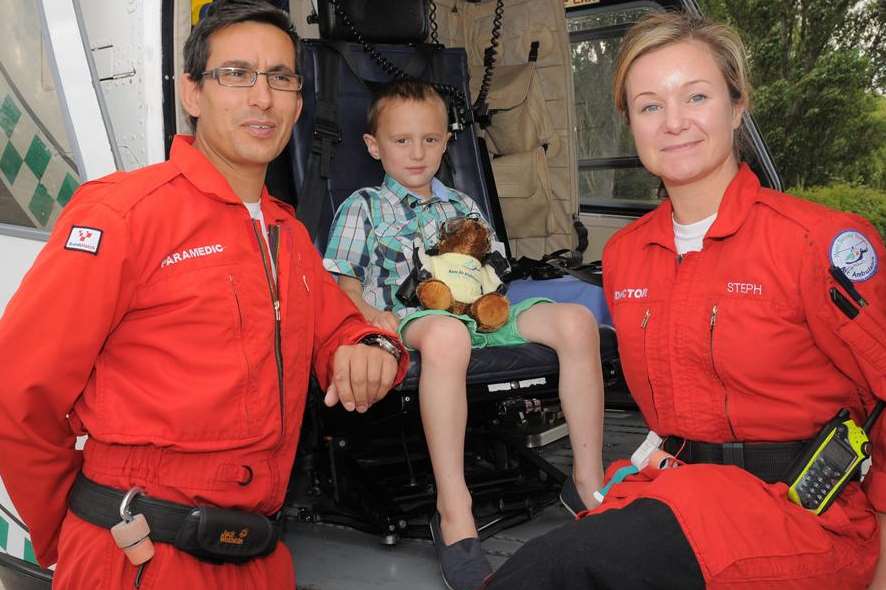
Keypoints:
pixel 714 312
pixel 275 299
pixel 646 317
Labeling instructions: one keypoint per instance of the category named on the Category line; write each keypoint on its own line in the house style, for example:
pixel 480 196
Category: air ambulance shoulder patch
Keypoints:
pixel 84 239
pixel 854 254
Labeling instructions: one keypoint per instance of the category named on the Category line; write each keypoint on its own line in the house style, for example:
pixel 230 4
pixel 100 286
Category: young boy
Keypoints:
pixel 370 249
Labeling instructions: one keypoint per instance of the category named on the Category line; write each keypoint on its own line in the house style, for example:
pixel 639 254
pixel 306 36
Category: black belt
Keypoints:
pixel 768 461
pixel 100 505
pixel 190 528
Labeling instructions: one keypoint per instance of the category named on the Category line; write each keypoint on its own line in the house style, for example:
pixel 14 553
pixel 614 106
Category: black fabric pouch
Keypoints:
pixel 407 293
pixel 217 536
pixel 378 21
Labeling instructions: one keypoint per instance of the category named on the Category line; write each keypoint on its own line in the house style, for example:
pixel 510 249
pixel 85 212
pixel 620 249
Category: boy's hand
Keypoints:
pixel 361 375
pixel 382 319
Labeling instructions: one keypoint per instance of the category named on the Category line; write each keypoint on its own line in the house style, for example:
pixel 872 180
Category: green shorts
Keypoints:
pixel 507 335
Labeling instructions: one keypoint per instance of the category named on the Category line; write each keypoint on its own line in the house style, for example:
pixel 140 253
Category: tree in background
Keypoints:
pixel 817 67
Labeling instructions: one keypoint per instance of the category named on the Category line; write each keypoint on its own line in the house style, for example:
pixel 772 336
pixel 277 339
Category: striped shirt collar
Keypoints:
pixel 440 191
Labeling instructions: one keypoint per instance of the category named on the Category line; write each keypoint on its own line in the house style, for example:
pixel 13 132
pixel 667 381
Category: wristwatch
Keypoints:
pixel 383 342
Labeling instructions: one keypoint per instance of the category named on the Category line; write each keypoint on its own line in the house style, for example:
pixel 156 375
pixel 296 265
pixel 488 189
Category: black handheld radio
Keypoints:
pixel 829 462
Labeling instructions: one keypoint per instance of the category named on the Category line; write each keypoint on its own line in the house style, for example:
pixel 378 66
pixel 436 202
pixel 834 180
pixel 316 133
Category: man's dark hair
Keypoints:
pixel 417 90
pixel 224 13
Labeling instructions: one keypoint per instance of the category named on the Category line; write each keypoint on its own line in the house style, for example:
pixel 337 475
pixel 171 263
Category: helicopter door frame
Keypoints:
pixel 86 120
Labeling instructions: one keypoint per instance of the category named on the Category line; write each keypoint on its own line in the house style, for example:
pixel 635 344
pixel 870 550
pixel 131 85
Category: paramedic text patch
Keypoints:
pixel 85 239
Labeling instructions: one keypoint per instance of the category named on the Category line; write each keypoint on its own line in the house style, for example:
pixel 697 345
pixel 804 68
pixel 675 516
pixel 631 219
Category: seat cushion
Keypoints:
pixel 511 363
pixel 494 365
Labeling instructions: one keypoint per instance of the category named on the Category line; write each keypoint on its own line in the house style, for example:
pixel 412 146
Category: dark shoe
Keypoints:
pixel 570 498
pixel 463 564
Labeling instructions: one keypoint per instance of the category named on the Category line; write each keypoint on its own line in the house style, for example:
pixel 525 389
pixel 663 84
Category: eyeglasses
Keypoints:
pixel 245 78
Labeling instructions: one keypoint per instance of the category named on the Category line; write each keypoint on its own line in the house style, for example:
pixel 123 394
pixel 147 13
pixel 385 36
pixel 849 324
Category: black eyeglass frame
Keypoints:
pixel 215 73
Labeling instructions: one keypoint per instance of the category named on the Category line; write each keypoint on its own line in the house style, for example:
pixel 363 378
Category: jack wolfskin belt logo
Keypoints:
pixel 233 537
pixel 189 253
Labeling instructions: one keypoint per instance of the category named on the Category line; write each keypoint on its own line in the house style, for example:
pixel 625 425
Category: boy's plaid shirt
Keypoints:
pixel 374 231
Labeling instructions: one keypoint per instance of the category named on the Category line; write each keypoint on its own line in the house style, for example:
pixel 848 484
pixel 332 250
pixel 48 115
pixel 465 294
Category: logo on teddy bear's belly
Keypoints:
pixel 463 274
pixel 465 284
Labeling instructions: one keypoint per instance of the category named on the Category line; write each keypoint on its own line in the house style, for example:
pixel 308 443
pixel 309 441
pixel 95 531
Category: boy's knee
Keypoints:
pixel 575 323
pixel 443 336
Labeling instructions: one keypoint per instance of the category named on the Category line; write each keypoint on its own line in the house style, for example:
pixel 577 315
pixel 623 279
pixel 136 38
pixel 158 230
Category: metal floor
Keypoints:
pixel 330 557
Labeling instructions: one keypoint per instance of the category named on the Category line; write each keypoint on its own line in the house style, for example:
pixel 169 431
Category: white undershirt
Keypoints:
pixel 255 213
pixel 689 237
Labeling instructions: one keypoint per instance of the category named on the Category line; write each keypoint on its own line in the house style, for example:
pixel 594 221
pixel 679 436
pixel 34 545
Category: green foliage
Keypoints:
pixel 867 202
pixel 816 66
pixel 865 28
pixel 822 126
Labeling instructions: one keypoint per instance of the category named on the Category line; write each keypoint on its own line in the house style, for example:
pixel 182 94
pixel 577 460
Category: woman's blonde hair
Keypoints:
pixel 660 29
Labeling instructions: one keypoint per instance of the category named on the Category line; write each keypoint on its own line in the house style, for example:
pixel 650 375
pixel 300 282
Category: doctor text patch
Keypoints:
pixel 631 294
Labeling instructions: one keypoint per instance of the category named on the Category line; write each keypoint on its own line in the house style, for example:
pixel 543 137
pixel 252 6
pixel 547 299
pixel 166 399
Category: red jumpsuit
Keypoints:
pixel 740 342
pixel 148 323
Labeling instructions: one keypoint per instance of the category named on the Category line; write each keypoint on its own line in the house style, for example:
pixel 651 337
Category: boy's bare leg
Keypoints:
pixel 571 330
pixel 445 349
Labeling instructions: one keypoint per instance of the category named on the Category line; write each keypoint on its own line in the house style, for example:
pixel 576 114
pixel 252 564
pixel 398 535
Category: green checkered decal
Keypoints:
pixel 14 538
pixel 29 552
pixel 4 533
pixel 40 181
pixel 14 541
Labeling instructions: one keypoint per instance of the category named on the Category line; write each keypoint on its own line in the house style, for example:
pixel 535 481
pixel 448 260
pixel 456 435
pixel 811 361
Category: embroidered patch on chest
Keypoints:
pixel 84 239
pixel 744 288
pixel 188 253
pixel 639 293
pixel 854 254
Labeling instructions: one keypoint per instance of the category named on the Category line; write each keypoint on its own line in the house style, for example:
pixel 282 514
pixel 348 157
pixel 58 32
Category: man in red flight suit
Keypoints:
pixel 175 316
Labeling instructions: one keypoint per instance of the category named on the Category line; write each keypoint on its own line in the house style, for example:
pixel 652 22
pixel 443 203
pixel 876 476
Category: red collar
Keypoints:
pixel 205 177
pixel 741 194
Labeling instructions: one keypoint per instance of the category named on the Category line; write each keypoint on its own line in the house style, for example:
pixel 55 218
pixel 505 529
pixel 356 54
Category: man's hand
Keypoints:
pixel 361 375
pixel 381 319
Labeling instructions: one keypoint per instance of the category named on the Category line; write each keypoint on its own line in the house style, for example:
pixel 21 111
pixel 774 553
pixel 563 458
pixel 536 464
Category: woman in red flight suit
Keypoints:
pixel 733 348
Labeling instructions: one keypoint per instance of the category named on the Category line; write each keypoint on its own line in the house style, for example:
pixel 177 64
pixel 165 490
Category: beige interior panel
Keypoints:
pixel 600 229
pixel 181 31
pixel 525 21
pixel 467 24
pixel 558 152
pixel 551 84
pixel 299 11
pixel 530 247
pixel 524 193
pixel 559 220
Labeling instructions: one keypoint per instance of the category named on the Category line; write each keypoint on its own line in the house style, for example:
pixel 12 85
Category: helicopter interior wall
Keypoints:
pixel 549 196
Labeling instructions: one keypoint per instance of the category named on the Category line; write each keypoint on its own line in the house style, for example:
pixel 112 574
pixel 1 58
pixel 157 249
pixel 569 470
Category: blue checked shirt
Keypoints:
pixel 374 232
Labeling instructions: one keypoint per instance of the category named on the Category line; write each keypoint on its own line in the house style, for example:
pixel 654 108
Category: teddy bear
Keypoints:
pixel 462 274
